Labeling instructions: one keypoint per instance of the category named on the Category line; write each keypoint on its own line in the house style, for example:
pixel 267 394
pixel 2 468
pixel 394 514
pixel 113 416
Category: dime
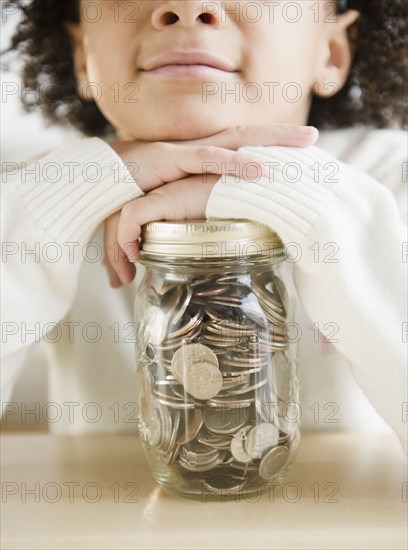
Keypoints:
pixel 260 438
pixel 273 462
pixel 237 445
pixel 188 355
pixel 202 380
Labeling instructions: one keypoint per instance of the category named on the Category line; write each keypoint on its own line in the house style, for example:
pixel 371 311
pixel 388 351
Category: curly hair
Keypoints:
pixel 373 95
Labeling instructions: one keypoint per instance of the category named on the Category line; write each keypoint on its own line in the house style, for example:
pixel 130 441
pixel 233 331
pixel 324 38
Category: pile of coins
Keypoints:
pixel 214 379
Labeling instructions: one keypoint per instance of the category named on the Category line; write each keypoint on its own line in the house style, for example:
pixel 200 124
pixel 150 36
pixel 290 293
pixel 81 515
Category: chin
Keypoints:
pixel 183 128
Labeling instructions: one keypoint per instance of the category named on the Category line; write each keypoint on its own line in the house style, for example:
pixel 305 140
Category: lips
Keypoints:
pixel 188 58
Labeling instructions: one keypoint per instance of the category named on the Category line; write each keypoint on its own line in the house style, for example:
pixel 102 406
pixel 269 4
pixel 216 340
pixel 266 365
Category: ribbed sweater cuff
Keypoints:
pixel 298 191
pixel 69 191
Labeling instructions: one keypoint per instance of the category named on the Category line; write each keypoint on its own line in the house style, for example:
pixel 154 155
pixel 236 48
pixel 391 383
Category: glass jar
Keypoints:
pixel 218 407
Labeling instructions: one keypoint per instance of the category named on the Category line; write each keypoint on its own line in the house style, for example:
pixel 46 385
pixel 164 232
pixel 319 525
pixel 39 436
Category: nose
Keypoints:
pixel 188 13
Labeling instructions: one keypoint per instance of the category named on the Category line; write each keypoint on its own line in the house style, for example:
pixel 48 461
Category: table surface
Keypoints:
pixel 344 491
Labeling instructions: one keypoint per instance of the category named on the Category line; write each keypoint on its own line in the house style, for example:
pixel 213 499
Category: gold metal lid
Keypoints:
pixel 206 239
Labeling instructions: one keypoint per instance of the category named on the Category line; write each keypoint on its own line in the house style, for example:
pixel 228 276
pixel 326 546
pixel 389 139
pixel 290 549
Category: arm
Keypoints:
pixel 364 292
pixel 53 207
pixel 50 210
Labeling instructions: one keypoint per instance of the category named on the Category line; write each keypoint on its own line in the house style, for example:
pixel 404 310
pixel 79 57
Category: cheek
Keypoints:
pixel 110 73
pixel 289 49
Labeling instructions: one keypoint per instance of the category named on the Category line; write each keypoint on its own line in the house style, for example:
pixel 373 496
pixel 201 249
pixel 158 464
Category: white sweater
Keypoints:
pixel 352 192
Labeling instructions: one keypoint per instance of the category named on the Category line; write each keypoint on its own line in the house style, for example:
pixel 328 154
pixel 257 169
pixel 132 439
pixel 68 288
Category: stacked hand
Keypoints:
pixel 177 178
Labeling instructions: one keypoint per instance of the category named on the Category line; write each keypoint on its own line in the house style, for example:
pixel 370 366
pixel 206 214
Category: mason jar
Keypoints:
pixel 216 356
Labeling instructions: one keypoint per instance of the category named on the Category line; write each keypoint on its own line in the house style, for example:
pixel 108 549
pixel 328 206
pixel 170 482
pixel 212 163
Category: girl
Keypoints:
pixel 164 89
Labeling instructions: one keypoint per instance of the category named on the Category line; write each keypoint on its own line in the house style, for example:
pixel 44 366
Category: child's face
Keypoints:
pixel 276 53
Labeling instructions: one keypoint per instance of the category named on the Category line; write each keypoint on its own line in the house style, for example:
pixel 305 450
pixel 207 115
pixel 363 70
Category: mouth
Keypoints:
pixel 188 63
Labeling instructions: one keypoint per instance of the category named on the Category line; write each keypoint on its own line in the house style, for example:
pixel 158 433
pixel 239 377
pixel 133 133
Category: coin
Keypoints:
pixel 224 421
pixel 260 438
pixel 189 354
pixel 214 352
pixel 237 445
pixel 170 300
pixel 220 485
pixel 273 462
pixel 202 380
pixel 215 441
pixel 153 428
pixel 191 426
pixel 190 327
pixel 183 305
pixel 155 324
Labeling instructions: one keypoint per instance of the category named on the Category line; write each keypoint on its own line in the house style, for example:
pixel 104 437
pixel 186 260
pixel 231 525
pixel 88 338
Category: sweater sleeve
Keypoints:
pixel 51 208
pixel 343 231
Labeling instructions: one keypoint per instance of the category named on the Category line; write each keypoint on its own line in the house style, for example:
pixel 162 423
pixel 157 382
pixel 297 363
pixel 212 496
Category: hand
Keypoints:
pixel 118 259
pixel 152 164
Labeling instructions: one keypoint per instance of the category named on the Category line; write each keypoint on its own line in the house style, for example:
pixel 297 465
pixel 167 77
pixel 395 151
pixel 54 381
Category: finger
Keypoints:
pixel 135 214
pixel 284 134
pixel 177 162
pixel 204 159
pixel 115 255
pixel 113 276
pixel 185 199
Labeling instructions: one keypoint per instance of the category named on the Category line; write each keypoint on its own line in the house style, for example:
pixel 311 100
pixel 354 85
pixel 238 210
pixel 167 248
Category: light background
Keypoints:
pixel 23 136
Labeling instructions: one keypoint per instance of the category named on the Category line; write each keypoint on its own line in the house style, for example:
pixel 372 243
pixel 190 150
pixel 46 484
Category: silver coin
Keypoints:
pixel 273 462
pixel 183 305
pixel 230 382
pixel 231 402
pixel 202 380
pixel 224 421
pixel 238 445
pixel 153 429
pixel 155 324
pixel 215 441
pixel 213 291
pixel 170 300
pixel 166 427
pixel 260 438
pixel 224 486
pixel 189 354
pixel 174 430
pixel 246 388
pixel 191 426
pixel 191 326
pixel 176 405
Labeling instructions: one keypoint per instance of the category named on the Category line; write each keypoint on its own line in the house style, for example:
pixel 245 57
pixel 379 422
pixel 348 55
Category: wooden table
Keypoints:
pixel 344 491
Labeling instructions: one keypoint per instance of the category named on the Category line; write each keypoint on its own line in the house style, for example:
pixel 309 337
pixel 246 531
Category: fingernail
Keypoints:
pixel 308 130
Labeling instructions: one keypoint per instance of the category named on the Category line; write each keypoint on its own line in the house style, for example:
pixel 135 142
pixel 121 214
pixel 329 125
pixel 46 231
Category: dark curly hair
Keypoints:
pixel 375 93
